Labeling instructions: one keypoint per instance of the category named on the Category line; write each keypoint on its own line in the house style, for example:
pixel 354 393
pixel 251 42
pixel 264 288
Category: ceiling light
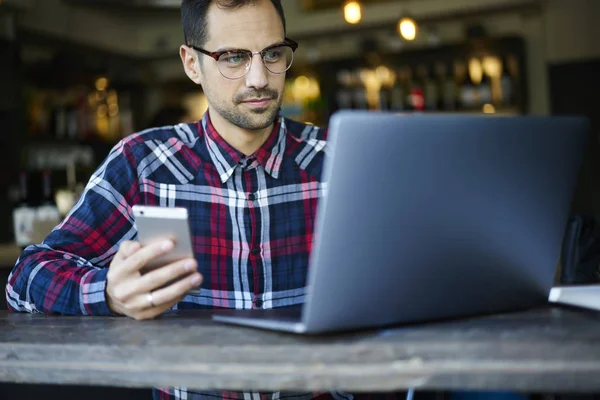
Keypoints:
pixel 407 28
pixel 352 12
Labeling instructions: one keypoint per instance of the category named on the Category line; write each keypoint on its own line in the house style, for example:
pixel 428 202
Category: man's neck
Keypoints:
pixel 243 140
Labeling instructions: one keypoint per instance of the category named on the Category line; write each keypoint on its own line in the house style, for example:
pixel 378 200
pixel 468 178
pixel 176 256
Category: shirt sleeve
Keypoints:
pixel 66 274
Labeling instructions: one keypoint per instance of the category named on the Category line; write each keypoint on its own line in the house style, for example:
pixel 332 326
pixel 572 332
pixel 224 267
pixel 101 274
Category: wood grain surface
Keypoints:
pixel 551 349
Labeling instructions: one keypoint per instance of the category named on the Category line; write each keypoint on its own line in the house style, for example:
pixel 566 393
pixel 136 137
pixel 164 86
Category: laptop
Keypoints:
pixel 433 217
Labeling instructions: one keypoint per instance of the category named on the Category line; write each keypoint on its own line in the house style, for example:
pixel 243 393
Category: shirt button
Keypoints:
pixel 255 251
pixel 258 302
pixel 251 197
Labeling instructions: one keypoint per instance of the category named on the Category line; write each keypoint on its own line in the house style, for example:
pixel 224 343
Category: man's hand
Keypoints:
pixel 138 296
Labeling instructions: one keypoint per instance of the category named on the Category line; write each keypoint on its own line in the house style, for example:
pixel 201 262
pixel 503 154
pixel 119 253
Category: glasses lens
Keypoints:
pixel 278 59
pixel 233 65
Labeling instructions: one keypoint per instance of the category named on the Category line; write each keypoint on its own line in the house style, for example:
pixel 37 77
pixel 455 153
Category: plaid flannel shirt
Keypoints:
pixel 251 218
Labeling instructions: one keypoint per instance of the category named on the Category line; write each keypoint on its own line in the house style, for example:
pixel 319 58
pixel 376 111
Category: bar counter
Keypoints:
pixel 542 350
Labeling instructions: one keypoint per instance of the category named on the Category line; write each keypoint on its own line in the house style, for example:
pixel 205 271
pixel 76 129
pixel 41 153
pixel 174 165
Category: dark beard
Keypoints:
pixel 245 120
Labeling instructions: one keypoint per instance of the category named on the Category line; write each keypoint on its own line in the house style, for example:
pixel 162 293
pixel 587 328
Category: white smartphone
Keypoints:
pixel 159 223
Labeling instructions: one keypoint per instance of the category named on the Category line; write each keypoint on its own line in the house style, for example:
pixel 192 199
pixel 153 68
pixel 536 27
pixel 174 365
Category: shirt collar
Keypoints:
pixel 227 159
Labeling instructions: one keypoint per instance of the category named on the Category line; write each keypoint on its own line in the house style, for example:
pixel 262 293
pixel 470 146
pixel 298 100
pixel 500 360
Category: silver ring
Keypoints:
pixel 151 299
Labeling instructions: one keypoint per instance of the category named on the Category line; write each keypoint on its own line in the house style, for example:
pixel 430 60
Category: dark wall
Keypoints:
pixel 11 130
pixel 3 278
pixel 575 90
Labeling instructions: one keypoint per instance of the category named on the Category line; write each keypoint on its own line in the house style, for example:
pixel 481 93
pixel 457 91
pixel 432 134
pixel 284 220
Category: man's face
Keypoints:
pixel 251 102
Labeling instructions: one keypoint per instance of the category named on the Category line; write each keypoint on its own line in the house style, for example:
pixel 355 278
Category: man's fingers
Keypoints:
pixel 140 306
pixel 176 291
pixel 130 248
pixel 153 312
pixel 140 258
pixel 116 273
pixel 159 277
pixel 131 292
pixel 126 249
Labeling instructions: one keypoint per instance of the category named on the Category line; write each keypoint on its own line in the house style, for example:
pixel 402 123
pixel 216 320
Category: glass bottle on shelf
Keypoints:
pixel 398 92
pixel 508 80
pixel 47 214
pixel 469 93
pixel 114 120
pixel 384 98
pixel 439 77
pixel 506 85
pixel 45 114
pixel 72 116
pixel 449 87
pixel 360 92
pixel 60 118
pixel 343 95
pixel 416 94
pixel 23 214
pixel 460 74
pixel 39 113
pixel 48 208
pixel 492 67
pixel 84 128
pixel 431 89
pixel 386 79
pixel 66 197
pixel 32 116
pixel 485 90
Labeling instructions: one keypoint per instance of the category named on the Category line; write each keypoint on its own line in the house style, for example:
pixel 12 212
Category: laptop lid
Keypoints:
pixel 430 217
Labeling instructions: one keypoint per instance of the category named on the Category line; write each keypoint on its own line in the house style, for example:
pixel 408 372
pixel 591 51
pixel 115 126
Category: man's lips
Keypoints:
pixel 258 102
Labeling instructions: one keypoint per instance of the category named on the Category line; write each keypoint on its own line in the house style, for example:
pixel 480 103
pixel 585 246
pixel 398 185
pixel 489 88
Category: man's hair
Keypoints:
pixel 193 17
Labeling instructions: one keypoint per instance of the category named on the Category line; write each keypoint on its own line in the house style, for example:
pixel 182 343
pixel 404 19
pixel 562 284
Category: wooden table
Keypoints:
pixel 547 350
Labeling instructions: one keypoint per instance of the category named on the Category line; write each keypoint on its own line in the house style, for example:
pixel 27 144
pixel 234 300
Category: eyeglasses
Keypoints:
pixel 235 64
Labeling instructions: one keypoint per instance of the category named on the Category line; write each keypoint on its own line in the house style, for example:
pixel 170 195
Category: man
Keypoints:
pixel 249 179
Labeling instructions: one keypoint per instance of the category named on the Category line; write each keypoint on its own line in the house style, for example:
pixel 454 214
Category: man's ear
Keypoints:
pixel 190 64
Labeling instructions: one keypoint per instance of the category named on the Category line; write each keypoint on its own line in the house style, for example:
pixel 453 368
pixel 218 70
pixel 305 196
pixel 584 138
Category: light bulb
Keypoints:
pixel 407 28
pixel 475 70
pixel 352 12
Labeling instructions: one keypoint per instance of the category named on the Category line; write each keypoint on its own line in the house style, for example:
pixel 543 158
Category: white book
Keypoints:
pixel 587 296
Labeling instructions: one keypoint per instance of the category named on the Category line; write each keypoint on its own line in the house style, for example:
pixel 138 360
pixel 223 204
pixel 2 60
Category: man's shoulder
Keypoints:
pixel 305 132
pixel 165 154
pixel 186 133
pixel 306 146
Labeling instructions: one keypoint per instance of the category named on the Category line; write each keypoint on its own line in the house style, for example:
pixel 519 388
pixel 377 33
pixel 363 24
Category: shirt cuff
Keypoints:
pixel 93 293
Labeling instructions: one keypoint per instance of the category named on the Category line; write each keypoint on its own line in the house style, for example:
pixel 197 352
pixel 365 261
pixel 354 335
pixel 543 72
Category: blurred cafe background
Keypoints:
pixel 76 76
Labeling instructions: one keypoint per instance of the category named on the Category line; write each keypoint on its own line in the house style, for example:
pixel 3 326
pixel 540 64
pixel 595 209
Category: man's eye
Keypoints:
pixel 233 58
pixel 273 55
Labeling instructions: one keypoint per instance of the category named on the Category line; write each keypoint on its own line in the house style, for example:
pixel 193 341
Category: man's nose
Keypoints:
pixel 257 75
